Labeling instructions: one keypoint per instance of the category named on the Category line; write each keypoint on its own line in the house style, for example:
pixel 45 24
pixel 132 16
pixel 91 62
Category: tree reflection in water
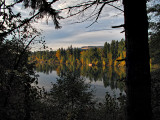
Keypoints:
pixel 110 76
pixel 113 106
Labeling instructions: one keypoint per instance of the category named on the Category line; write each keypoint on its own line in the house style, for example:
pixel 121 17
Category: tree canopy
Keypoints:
pixel 110 55
pixel 137 57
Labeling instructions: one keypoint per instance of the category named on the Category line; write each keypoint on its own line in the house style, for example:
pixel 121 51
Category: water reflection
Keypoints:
pixel 110 76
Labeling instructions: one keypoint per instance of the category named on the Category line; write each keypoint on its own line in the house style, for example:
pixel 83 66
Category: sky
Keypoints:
pixel 79 34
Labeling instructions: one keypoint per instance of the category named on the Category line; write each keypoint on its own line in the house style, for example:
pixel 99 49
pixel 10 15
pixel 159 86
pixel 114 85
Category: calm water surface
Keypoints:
pixel 102 79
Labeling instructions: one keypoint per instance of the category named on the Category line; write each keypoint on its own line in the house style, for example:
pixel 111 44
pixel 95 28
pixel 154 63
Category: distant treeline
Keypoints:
pixel 112 54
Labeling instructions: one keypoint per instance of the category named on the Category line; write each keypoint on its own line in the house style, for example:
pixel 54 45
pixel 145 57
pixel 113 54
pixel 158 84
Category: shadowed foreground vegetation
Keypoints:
pixel 155 76
pixel 22 99
pixel 71 98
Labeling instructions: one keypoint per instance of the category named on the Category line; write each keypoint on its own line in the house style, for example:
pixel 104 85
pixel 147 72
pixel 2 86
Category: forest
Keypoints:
pixel 70 98
pixel 112 54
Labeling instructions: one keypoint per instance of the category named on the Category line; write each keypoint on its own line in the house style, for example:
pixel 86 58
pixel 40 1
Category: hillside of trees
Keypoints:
pixel 110 55
pixel 22 99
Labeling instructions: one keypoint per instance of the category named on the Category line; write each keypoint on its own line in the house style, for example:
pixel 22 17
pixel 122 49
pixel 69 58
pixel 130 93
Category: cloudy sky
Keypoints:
pixel 79 34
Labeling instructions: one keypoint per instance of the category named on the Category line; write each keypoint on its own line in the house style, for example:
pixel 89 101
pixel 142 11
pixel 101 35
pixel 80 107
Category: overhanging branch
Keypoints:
pixel 123 25
pixel 25 21
pixel 88 5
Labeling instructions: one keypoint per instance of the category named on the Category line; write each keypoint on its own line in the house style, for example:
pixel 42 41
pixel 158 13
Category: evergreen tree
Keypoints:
pixel 71 96
pixel 105 50
pixel 154 25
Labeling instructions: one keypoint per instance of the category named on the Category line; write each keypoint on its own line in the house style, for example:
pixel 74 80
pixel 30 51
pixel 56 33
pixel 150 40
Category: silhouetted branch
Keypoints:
pixel 87 18
pixel 22 53
pixel 79 11
pixel 118 26
pixel 99 12
pixel 122 31
pixel 23 23
pixel 45 7
pixel 115 7
pixel 89 4
pixel 11 5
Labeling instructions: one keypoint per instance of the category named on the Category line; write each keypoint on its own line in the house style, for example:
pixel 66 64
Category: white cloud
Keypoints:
pixel 77 34
pixel 86 39
pixel 68 3
pixel 8 2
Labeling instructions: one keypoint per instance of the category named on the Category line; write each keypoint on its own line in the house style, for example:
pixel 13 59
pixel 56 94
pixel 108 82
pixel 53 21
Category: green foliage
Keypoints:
pixel 20 98
pixel 71 96
pixel 111 76
pixel 18 81
pixel 112 109
pixel 43 57
pixel 10 23
pixel 15 83
pixel 95 56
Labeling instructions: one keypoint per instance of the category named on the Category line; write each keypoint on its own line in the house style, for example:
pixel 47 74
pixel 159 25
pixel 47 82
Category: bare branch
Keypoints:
pixel 122 31
pixel 22 53
pixel 87 18
pixel 99 12
pixel 19 1
pixel 25 21
pixel 88 5
pixel 123 25
pixel 79 11
pixel 115 7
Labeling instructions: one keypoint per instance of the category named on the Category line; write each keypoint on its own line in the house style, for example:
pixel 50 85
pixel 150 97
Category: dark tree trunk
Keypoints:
pixel 137 60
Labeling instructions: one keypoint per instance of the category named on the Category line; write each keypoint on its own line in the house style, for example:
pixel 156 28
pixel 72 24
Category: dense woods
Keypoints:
pixel 111 54
pixel 22 99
